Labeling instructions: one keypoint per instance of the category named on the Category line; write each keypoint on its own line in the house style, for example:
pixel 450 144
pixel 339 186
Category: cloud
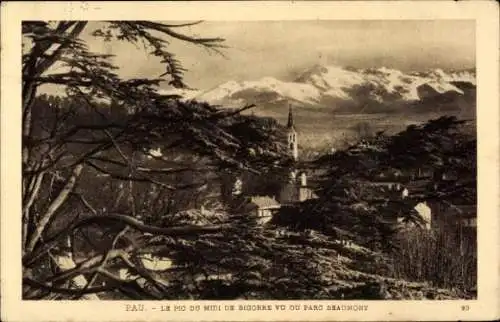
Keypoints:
pixel 278 48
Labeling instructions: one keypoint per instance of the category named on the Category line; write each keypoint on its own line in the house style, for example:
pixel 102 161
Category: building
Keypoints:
pixel 295 187
pixel 425 213
pixel 292 139
pixel 296 190
pixel 262 208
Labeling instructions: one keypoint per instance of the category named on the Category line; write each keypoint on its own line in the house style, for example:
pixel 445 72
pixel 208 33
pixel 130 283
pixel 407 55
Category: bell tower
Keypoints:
pixel 292 136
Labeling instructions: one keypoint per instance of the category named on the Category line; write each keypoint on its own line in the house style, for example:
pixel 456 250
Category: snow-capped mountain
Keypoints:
pixel 274 88
pixel 381 83
pixel 342 88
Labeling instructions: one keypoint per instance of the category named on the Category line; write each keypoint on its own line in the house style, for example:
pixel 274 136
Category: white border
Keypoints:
pixel 485 13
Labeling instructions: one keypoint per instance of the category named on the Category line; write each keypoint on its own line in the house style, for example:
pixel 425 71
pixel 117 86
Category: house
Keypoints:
pixel 439 216
pixel 386 185
pixel 262 208
pixel 296 190
pixel 425 212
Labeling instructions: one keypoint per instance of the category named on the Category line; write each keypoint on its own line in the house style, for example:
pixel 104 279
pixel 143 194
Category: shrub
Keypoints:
pixel 445 258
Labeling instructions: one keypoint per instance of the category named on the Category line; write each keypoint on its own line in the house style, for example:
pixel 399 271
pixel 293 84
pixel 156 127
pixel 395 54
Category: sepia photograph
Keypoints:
pixel 322 161
pixel 249 160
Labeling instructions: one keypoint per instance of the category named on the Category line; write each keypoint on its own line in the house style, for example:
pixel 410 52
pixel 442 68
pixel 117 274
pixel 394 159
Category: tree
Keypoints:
pixel 445 146
pixel 350 197
pixel 89 167
pixel 437 160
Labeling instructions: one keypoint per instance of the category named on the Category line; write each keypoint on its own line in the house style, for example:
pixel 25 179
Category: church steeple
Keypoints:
pixel 292 136
pixel 290 117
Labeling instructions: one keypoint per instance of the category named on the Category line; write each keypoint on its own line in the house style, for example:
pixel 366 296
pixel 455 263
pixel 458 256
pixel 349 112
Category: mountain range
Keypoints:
pixel 350 90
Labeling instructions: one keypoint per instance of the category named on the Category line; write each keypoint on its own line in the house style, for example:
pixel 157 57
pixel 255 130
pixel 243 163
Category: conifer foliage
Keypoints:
pixel 116 174
pixel 436 161
pixel 93 190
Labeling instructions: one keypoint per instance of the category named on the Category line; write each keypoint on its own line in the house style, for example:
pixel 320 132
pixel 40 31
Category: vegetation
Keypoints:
pixel 447 258
pixel 115 173
pixel 361 199
pixel 88 167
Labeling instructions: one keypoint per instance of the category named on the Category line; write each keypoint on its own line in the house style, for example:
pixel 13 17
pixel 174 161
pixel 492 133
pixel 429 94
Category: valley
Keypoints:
pixel 329 101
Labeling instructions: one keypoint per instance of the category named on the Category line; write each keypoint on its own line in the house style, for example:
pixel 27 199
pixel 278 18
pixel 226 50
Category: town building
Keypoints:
pixel 294 186
pixel 262 208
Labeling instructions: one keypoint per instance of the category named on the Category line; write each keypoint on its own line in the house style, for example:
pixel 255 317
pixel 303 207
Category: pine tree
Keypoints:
pixel 94 193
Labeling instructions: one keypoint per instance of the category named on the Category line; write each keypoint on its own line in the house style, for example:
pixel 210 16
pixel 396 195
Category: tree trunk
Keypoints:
pixel 58 201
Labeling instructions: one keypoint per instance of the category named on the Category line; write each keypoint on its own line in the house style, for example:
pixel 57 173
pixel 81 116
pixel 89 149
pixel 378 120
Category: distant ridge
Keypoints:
pixel 348 89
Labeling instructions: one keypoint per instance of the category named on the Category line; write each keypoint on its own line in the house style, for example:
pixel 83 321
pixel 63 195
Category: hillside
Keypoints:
pixel 329 101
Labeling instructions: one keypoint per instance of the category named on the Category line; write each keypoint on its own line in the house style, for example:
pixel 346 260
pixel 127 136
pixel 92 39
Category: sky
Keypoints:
pixel 281 49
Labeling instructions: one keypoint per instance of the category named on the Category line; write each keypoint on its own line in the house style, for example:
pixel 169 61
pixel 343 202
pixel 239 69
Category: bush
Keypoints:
pixel 445 258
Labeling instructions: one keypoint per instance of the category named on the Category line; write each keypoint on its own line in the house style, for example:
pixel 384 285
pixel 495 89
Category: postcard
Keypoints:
pixel 250 161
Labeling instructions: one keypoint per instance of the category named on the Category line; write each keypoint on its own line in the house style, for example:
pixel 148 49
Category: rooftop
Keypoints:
pixel 265 202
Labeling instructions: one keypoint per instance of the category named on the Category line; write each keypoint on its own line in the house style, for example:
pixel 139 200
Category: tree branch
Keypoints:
pixel 178 231
pixel 50 60
pixel 53 207
pixel 88 266
pixel 105 259
pixel 208 42
pixel 33 193
pixel 68 291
